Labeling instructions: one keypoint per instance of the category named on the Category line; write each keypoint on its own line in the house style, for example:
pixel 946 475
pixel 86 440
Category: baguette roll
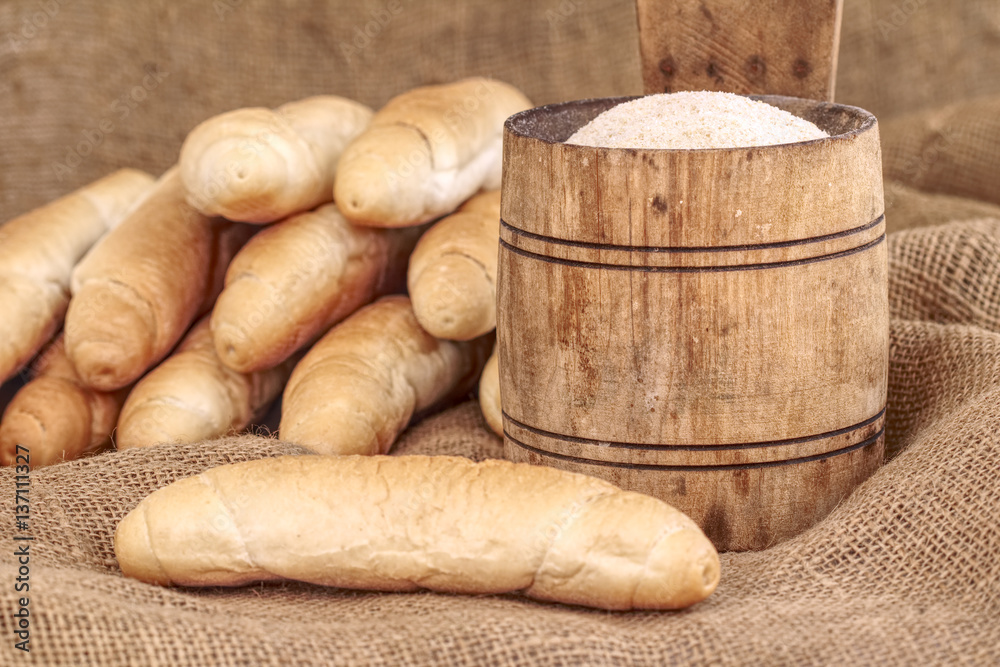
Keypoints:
pixel 38 251
pixel 193 396
pixel 404 523
pixel 55 415
pixel 299 277
pixel 453 271
pixel 426 152
pixel 358 387
pixel 489 394
pixel 138 290
pixel 260 165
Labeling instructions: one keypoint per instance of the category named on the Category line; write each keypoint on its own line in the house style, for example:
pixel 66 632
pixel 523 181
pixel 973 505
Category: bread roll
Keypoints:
pixel 359 386
pixel 193 396
pixel 260 165
pixel 37 253
pixel 402 523
pixel 453 271
pixel 298 278
pixel 426 152
pixel 55 415
pixel 489 394
pixel 138 290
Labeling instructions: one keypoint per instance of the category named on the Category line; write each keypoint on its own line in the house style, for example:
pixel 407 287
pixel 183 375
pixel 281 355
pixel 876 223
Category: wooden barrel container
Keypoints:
pixel 706 326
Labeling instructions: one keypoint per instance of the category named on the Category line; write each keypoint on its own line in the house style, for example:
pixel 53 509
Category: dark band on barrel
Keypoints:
pixel 698 448
pixel 693 269
pixel 681 468
pixel 692 249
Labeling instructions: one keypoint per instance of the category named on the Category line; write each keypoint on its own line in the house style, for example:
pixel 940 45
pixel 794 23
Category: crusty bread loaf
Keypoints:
pixel 359 386
pixel 260 165
pixel 55 416
pixel 299 277
pixel 453 271
pixel 138 290
pixel 489 394
pixel 402 523
pixel 426 152
pixel 37 253
pixel 193 396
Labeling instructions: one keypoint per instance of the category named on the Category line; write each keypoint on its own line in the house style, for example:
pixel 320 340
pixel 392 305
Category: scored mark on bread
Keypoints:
pixel 427 141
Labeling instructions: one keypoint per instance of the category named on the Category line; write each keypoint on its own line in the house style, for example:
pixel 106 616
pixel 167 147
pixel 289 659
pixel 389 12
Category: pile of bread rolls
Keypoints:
pixel 348 259
pixel 273 256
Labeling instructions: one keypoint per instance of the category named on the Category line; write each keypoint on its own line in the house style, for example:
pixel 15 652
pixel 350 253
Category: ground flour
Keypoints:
pixel 694 120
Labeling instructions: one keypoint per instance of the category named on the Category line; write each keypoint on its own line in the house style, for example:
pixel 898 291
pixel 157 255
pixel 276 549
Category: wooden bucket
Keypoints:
pixel 707 326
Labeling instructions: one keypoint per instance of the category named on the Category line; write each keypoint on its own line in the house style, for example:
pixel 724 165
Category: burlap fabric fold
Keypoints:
pixel 905 571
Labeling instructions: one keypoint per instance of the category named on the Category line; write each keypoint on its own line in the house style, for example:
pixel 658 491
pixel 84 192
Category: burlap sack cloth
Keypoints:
pixel 905 571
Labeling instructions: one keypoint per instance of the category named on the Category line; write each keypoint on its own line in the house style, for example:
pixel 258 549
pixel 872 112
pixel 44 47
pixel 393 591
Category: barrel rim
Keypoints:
pixel 516 124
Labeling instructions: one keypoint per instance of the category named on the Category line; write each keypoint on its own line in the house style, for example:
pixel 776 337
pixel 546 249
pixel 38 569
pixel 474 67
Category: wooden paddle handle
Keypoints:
pixel 775 47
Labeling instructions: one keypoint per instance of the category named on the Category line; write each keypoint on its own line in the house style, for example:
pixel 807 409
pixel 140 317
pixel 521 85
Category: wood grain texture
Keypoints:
pixel 779 47
pixel 709 326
